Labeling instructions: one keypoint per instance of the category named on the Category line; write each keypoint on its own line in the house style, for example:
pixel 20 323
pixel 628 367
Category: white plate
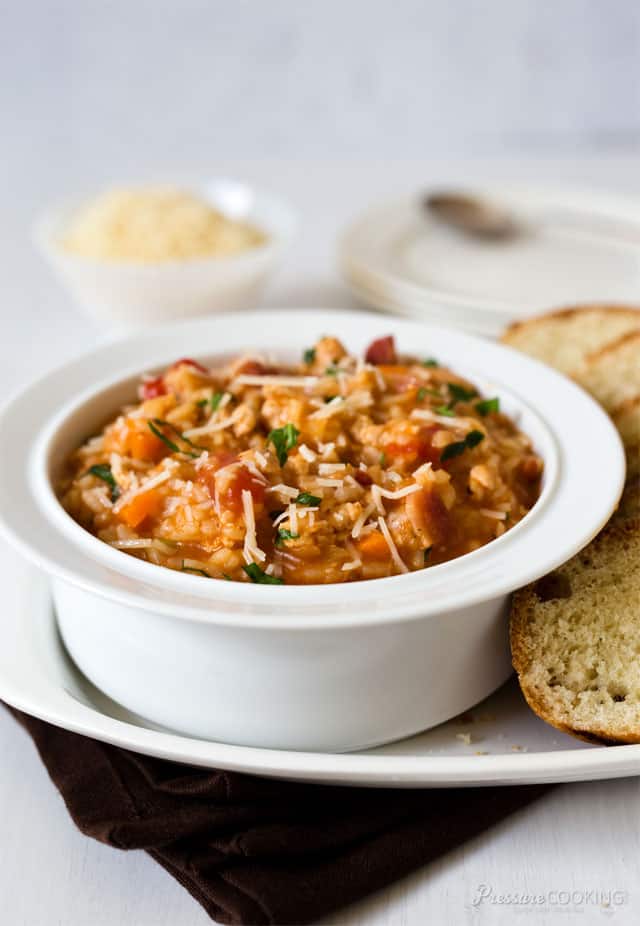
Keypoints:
pixel 395 258
pixel 37 676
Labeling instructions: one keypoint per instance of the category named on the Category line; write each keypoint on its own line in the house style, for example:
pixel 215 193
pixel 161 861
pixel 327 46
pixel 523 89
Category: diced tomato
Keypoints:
pixel 189 362
pixel 416 450
pixel 152 388
pixel 362 477
pixel 216 460
pixel 252 368
pixel 242 480
pixel 143 506
pixel 437 516
pixel 229 490
pixel 382 350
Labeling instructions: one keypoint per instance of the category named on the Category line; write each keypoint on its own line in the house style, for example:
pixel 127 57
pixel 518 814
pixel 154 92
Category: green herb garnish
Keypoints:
pixel 445 410
pixel 171 444
pixel 256 574
pixel 103 471
pixel 284 439
pixel 283 535
pixel 305 498
pixel 197 572
pixel 472 440
pixel 460 394
pixel 487 406
pixel 430 362
pixel 213 401
pixel 332 370
pixel 309 355
pixel 382 460
pixel 225 575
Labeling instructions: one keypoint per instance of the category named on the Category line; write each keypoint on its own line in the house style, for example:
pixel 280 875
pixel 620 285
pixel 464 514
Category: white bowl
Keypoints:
pixel 328 668
pixel 128 294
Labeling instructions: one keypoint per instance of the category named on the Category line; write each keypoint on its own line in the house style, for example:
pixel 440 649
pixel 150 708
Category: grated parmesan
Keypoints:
pixel 450 420
pixel 212 426
pixel 395 556
pixel 245 379
pixel 307 453
pixel 251 551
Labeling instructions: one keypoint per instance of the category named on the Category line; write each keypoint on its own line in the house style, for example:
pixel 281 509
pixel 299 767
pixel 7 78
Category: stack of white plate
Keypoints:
pixel 578 247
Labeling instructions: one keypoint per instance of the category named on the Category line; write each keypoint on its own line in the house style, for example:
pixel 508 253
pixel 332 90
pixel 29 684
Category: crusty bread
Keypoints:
pixel 626 418
pixel 612 373
pixel 575 637
pixel 565 337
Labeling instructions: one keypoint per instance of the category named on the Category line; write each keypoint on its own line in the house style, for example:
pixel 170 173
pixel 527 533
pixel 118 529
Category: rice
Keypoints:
pixel 285 480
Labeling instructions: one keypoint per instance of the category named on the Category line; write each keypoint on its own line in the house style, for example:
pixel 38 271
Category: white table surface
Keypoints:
pixel 583 838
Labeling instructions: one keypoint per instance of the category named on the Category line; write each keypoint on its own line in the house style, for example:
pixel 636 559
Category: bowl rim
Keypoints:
pixel 50 222
pixel 533 547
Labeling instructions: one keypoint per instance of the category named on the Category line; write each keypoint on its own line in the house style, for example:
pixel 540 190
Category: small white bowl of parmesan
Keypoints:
pixel 134 256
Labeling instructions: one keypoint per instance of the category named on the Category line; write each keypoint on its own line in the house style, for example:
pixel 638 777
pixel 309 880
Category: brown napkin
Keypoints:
pixel 254 850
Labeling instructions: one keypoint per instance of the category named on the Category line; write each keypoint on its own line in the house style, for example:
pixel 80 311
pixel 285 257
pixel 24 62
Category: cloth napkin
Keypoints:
pixel 255 850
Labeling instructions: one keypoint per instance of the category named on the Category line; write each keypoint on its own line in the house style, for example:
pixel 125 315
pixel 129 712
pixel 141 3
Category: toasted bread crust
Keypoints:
pixel 569 312
pixel 612 347
pixel 523 654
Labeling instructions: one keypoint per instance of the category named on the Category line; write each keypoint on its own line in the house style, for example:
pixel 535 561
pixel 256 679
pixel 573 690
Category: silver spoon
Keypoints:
pixel 479 217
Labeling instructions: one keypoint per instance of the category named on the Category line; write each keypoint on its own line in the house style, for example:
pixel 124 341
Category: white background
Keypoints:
pixel 333 105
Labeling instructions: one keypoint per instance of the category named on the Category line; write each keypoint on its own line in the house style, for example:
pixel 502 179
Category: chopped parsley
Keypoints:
pixel 256 574
pixel 487 406
pixel 309 355
pixel 445 410
pixel 305 498
pixel 197 572
pixel 472 440
pixel 103 471
pixel 460 394
pixel 382 461
pixel 284 439
pixel 213 401
pixel 332 370
pixel 430 362
pixel 424 391
pixel 153 425
pixel 283 535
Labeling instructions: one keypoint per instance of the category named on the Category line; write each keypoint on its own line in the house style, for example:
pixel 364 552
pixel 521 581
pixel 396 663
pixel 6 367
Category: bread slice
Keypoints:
pixel 612 373
pixel 626 418
pixel 565 337
pixel 575 640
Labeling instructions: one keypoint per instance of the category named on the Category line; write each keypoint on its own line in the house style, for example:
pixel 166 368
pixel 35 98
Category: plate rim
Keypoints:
pixel 412 294
pixel 36 693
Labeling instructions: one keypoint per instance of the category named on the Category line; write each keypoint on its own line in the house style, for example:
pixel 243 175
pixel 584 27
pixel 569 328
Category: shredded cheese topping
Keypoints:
pixel 251 551
pixel 395 556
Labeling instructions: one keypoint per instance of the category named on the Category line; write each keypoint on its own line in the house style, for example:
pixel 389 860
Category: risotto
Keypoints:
pixel 333 469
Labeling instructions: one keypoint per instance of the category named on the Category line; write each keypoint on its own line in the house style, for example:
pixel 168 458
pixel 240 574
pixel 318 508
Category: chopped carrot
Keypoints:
pixel 143 506
pixel 144 445
pixel 373 546
pixel 135 439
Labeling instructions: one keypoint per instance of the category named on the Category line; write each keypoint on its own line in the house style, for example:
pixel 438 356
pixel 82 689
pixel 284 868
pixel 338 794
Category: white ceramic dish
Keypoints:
pixel 395 258
pixel 312 668
pixel 129 294
pixel 509 744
